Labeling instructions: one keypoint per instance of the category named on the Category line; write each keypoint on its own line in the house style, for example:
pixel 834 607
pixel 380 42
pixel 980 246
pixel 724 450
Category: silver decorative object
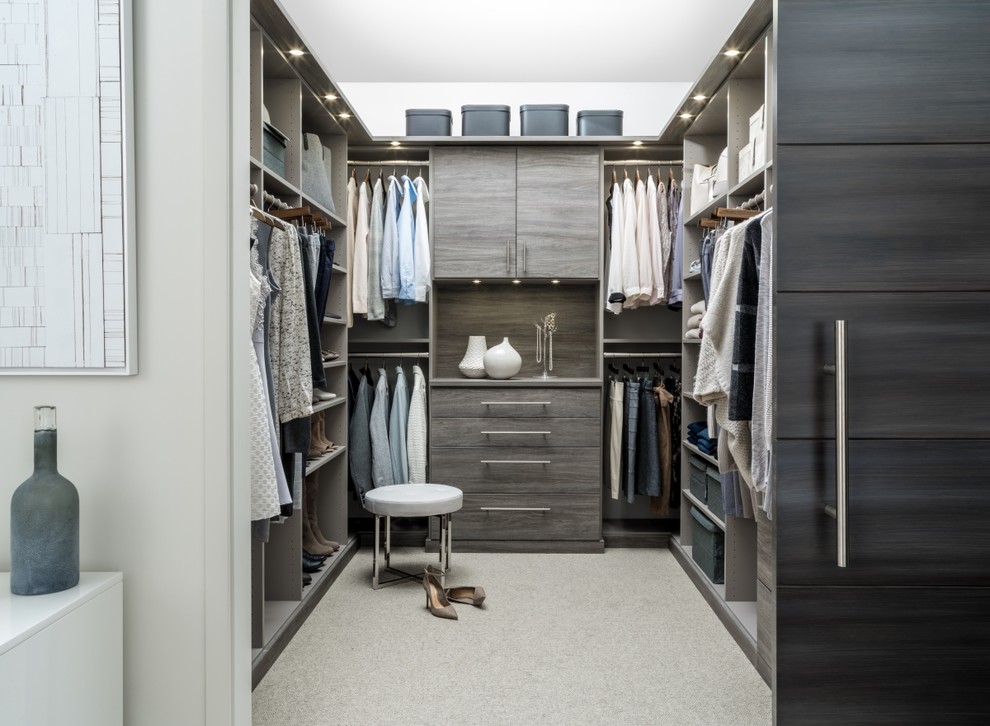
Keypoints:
pixel 544 344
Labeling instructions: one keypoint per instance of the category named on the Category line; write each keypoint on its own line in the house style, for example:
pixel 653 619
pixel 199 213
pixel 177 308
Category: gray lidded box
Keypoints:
pixel 604 122
pixel 544 119
pixel 485 120
pixel 428 122
pixel 273 148
pixel 708 547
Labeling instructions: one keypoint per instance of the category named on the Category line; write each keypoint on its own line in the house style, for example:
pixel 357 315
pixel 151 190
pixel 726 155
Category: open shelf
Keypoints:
pixel 739 616
pixel 340 362
pixel 277 184
pixel 695 450
pixel 324 405
pixel 703 508
pixel 705 212
pixel 316 464
pixel 310 202
pixel 749 186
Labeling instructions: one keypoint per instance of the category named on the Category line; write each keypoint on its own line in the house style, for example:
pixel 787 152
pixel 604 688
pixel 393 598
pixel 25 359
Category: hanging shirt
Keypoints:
pixel 376 235
pixel 359 439
pixel 406 243
pixel 630 256
pixel 421 276
pixel 381 456
pixel 615 295
pixel 390 241
pixel 676 293
pixel 644 248
pixel 359 268
pixel 397 423
pixel 666 236
pixel 264 483
pixel 416 435
pixel 352 203
pixel 658 291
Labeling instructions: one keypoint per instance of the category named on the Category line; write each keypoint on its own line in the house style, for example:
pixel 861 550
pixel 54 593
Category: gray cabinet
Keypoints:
pixel 531 480
pixel 504 212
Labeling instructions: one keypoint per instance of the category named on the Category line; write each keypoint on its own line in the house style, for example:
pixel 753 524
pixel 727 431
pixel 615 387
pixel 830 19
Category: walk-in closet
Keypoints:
pixel 606 365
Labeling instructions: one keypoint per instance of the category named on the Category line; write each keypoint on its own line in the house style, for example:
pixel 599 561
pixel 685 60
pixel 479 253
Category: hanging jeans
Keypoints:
pixel 631 412
pixel 314 321
pixel 615 392
pixel 324 271
pixel 661 505
pixel 647 449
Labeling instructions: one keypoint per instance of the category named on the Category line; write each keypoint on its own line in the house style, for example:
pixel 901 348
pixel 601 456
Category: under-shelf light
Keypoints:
pixel 555 282
pixel 637 143
pixel 296 52
pixel 476 282
pixel 395 143
pixel 686 115
pixel 699 97
pixel 330 97
pixel 517 282
pixel 343 114
pixel 732 53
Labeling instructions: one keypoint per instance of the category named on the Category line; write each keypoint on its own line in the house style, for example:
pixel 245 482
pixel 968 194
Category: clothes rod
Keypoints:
pixel 413 354
pixel 396 162
pixel 644 162
pixel 642 355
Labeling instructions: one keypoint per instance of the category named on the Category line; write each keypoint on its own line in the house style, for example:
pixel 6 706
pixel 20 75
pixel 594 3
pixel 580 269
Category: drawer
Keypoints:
pixel 501 433
pixel 515 402
pixel 518 469
pixel 527 517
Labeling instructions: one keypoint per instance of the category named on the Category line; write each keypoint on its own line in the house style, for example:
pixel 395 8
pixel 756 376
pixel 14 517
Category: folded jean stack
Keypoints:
pixel 694 330
pixel 698 436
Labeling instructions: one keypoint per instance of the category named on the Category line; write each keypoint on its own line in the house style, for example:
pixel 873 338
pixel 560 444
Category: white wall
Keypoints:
pixel 150 453
pixel 647 106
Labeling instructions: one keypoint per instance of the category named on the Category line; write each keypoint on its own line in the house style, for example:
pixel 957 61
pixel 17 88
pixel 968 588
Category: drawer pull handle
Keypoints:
pixel 515 461
pixel 514 509
pixel 529 433
pixel 515 403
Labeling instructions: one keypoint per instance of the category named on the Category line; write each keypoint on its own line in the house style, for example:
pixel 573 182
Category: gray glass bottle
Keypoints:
pixel 44 520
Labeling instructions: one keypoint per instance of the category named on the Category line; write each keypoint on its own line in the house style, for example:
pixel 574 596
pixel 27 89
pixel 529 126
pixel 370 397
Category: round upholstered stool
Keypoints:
pixel 411 500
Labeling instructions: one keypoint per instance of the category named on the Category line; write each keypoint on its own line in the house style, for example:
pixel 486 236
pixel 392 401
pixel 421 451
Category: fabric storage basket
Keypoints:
pixel 273 148
pixel 485 120
pixel 604 122
pixel 714 501
pixel 546 119
pixel 699 479
pixel 708 547
pixel 428 122
pixel 316 171
pixel 274 144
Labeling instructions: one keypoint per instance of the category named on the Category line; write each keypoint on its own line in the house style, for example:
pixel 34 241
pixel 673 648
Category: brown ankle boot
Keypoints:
pixel 322 432
pixel 316 446
pixel 310 543
pixel 312 488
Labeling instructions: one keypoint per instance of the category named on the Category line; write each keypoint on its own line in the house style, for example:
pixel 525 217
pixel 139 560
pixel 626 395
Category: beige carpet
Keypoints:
pixel 619 638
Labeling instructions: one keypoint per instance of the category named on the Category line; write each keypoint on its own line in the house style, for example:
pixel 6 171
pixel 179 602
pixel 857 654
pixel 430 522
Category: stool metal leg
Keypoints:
pixel 374 555
pixel 450 540
pixel 388 540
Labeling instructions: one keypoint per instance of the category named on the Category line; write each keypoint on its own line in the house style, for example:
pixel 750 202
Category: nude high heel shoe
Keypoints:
pixel 436 599
pixel 467 594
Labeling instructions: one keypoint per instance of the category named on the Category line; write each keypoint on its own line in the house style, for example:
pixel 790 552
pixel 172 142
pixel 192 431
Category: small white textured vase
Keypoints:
pixel 502 361
pixel 473 365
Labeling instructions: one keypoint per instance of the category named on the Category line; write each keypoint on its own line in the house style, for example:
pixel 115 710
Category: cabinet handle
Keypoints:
pixel 528 433
pixel 525 249
pixel 840 512
pixel 515 403
pixel 515 461
pixel 507 243
pixel 514 509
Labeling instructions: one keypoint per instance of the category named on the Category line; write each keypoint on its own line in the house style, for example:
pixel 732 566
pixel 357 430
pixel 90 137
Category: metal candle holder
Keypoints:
pixel 544 344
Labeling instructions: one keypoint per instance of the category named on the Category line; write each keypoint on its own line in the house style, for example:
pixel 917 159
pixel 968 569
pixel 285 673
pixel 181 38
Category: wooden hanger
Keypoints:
pixel 615 177
pixel 734 214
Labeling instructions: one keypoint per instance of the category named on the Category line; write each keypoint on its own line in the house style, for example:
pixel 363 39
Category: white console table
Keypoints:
pixel 61 655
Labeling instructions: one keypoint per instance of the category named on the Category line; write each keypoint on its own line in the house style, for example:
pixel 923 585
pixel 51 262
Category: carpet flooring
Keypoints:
pixel 620 638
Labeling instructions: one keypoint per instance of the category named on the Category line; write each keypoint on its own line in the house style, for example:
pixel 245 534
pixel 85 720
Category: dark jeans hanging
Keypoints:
pixel 314 321
pixel 630 435
pixel 647 450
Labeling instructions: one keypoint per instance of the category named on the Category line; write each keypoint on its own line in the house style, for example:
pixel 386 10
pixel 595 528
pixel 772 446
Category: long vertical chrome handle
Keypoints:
pixel 525 249
pixel 507 244
pixel 841 447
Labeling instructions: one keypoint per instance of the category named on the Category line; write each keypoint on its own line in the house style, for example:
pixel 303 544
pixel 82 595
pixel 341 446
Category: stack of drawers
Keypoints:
pixel 527 459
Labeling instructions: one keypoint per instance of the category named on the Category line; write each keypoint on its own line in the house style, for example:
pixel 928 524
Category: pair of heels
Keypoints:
pixel 438 599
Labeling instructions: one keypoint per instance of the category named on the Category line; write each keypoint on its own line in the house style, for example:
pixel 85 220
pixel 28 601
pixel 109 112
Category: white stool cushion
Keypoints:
pixel 414 500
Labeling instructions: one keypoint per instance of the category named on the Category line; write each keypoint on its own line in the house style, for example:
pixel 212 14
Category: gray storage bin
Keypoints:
pixel 273 148
pixel 428 122
pixel 605 122
pixel 485 120
pixel 543 119
pixel 708 547
pixel 714 501
pixel 698 481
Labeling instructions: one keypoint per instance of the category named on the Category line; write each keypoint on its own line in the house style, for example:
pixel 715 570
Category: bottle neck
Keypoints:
pixel 45 451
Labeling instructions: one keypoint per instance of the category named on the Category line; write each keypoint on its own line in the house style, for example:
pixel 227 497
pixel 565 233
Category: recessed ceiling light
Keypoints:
pixel 637 143
pixel 555 282
pixel 517 282
pixel 476 282
pixel 296 52
pixel 343 115
pixel 699 97
pixel 732 53
pixel 395 143
pixel 330 97
pixel 687 115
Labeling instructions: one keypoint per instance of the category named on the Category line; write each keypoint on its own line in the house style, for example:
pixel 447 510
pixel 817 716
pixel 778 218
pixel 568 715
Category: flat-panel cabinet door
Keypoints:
pixel 558 221
pixel 474 212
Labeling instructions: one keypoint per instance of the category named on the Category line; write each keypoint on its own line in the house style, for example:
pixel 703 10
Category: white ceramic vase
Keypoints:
pixel 473 365
pixel 502 361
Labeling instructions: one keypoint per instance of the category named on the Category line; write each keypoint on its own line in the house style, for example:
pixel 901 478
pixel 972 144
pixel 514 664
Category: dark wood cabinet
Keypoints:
pixel 505 212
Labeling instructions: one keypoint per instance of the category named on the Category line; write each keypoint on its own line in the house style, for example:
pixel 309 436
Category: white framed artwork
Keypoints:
pixel 67 247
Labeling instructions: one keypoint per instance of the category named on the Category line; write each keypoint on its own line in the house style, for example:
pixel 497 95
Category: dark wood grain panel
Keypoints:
pixel 558 212
pixel 861 71
pixel 516 403
pixel 882 656
pixel 570 469
pixel 500 310
pixel 917 364
pixel 766 553
pixel 569 517
pixel 474 211
pixel 766 625
pixel 883 239
pixel 910 513
pixel 492 433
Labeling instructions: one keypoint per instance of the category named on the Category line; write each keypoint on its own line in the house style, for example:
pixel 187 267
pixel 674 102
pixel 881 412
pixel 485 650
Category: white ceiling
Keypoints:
pixel 436 41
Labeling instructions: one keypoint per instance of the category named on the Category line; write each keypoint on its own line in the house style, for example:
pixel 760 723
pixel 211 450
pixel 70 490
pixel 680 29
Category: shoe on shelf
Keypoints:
pixel 329 355
pixel 467 594
pixel 436 600
pixel 320 395
pixel 307 579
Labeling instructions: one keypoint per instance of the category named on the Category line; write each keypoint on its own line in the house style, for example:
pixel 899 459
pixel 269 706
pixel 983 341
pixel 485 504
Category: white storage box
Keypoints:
pixel 721 185
pixel 759 151
pixel 756 125
pixel 702 181
pixel 745 162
